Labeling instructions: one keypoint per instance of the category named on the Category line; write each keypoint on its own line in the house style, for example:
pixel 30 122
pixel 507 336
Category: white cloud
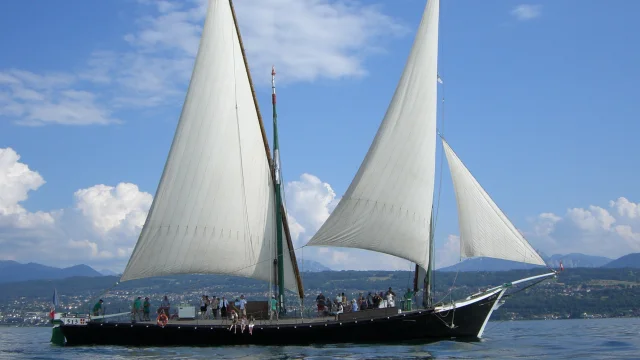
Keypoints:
pixel 32 99
pixel 526 12
pixel 154 67
pixel 595 230
pixel 16 180
pixel 449 253
pixel 100 229
pixel 120 208
pixel 311 200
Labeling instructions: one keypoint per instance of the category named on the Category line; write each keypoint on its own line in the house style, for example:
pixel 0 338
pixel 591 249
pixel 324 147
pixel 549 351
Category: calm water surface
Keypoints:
pixel 553 339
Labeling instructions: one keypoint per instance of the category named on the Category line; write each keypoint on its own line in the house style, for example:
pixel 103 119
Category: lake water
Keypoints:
pixel 552 339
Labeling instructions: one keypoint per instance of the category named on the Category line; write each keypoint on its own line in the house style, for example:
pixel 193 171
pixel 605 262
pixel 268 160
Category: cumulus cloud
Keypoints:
pixel 449 253
pixel 526 12
pixel 100 228
pixel 121 208
pixel 154 67
pixel 16 181
pixel 594 230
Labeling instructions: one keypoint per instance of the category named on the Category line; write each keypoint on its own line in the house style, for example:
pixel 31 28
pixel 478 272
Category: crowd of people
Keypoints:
pixel 219 307
pixel 373 300
pixel 213 307
pixel 210 308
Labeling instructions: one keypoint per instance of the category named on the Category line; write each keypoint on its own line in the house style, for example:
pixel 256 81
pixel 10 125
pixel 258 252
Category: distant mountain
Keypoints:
pixel 576 260
pixel 13 271
pixel 630 260
pixel 311 266
pixel 107 272
pixel 489 264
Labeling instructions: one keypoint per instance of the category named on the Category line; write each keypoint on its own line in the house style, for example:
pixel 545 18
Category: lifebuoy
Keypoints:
pixel 162 319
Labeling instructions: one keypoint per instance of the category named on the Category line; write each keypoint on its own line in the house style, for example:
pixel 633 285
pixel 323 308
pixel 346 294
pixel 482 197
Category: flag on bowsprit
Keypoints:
pixel 56 300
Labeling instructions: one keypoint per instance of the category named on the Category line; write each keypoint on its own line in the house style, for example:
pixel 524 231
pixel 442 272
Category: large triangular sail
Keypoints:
pixel 484 229
pixel 387 207
pixel 214 209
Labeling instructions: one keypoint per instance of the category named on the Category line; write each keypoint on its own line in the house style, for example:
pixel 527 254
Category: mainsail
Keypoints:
pixel 484 229
pixel 214 209
pixel 387 207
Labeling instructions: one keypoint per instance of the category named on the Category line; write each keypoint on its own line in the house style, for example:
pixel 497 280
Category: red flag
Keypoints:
pixel 561 266
pixel 52 313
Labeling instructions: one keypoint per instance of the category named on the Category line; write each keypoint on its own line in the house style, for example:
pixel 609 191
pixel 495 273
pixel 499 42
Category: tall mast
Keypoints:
pixel 268 153
pixel 427 280
pixel 428 288
pixel 276 159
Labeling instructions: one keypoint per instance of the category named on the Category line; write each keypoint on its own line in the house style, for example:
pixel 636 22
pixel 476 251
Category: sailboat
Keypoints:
pixel 218 209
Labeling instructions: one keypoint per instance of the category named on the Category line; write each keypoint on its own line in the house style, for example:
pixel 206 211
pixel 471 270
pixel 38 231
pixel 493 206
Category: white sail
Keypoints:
pixel 214 210
pixel 484 229
pixel 387 207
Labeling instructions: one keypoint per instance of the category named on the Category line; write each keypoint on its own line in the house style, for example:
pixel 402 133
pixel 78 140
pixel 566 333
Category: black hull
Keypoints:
pixel 469 319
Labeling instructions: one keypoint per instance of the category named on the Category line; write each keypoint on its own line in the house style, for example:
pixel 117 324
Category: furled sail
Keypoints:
pixel 214 209
pixel 484 229
pixel 387 207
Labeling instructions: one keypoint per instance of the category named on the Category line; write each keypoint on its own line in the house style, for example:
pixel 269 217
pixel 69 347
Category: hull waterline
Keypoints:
pixel 466 321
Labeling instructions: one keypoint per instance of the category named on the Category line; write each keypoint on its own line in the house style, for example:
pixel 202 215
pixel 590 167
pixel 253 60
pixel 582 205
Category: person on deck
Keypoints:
pixel 208 304
pixel 274 308
pixel 97 308
pixel 242 303
pixel 339 310
pixel 362 302
pixel 165 305
pixel 224 305
pixel 146 309
pixel 203 306
pixel 251 325
pixel 215 307
pixel 354 305
pixel 243 324
pixel 391 302
pixel 234 321
pixel 376 299
pixel 136 309
pixel 320 301
pixel 408 296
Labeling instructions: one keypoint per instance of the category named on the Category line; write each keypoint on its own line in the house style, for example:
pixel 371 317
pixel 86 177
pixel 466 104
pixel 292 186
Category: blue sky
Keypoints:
pixel 539 105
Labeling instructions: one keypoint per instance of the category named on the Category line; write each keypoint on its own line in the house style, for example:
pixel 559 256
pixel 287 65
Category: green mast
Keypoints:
pixel 276 160
pixel 429 278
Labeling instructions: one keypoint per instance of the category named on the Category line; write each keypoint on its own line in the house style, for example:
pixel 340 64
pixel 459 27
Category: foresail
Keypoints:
pixel 387 207
pixel 484 229
pixel 214 209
